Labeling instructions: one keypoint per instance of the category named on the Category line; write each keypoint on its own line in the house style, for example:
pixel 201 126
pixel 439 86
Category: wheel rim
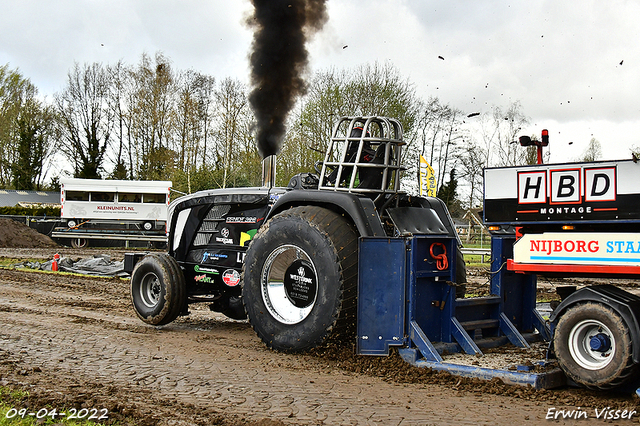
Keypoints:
pixel 591 344
pixel 289 284
pixel 79 243
pixel 150 290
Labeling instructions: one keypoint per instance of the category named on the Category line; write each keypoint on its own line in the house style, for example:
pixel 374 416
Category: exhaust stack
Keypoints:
pixel 269 171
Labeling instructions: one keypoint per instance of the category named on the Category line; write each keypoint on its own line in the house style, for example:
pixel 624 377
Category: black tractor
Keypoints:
pixel 287 258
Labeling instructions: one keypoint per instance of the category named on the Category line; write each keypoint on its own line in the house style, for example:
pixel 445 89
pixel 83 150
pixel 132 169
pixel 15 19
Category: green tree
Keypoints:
pixel 449 194
pixel 16 92
pixel 34 148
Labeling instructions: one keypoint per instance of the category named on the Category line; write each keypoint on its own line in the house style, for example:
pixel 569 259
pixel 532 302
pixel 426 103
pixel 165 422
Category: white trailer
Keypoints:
pixel 113 209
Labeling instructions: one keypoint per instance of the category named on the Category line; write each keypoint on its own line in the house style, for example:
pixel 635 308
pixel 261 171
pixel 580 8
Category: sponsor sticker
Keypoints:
pixel 247 236
pixel 202 278
pixel 225 237
pixel 242 219
pixel 212 256
pixel 202 269
pixel 231 277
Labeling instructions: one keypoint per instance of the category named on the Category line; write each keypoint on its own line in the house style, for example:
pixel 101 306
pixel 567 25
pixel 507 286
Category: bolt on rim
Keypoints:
pixel 581 348
pixel 150 290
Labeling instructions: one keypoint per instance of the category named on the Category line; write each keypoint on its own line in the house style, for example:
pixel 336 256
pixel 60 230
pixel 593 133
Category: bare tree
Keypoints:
pixel 370 89
pixel 499 131
pixel 471 162
pixel 593 151
pixel 232 104
pixel 153 108
pixel 85 118
pixel 439 133
pixel 119 90
pixel 205 88
pixel 376 89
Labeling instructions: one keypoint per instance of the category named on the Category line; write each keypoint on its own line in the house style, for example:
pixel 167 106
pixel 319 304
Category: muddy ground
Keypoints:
pixel 75 341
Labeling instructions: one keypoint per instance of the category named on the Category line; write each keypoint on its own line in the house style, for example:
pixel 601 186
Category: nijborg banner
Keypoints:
pixel 615 249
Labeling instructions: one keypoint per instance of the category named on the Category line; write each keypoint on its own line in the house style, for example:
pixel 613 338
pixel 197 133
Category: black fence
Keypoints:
pixel 46 225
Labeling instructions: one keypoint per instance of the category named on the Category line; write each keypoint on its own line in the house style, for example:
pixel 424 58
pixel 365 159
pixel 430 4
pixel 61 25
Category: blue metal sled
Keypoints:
pixel 407 298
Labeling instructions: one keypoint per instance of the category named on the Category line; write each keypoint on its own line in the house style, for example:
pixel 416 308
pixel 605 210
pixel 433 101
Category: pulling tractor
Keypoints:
pixel 343 254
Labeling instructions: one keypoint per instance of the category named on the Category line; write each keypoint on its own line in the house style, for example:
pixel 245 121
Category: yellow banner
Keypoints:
pixel 427 179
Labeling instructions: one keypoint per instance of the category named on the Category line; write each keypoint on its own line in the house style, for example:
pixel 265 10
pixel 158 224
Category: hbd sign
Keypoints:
pixel 562 192
pixel 567 186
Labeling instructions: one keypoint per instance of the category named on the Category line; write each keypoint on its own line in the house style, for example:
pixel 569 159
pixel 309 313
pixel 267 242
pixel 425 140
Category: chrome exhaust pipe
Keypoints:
pixel 269 171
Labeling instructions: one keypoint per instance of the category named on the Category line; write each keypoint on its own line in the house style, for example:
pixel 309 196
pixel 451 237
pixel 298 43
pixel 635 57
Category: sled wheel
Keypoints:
pixel 79 243
pixel 593 346
pixel 158 290
pixel 299 279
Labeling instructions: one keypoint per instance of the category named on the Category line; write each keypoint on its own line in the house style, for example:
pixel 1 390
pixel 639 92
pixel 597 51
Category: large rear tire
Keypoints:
pixel 299 279
pixel 158 289
pixel 593 346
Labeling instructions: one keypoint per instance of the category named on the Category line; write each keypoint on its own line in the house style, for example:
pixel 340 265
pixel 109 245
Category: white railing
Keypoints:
pixel 476 251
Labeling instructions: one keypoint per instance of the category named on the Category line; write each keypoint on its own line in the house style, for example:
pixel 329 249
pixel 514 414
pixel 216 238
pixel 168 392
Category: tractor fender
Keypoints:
pixel 440 209
pixel 623 302
pixel 360 210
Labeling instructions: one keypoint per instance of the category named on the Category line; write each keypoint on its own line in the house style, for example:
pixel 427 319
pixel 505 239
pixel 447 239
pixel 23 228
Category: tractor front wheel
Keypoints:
pixel 158 289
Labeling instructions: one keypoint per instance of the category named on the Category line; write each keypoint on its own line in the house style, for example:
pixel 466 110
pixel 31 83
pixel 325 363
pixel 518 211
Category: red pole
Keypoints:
pixel 539 154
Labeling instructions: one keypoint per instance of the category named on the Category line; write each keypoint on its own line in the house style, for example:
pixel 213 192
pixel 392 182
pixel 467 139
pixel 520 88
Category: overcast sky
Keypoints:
pixel 574 66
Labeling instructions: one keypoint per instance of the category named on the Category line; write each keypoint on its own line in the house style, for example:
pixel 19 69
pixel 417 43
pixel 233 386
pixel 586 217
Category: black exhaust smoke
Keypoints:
pixel 278 61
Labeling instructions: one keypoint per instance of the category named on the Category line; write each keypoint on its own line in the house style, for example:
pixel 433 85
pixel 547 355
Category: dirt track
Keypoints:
pixel 75 341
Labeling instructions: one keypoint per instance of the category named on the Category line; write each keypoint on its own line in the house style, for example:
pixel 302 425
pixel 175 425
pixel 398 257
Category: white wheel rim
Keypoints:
pixel 79 242
pixel 150 290
pixel 580 346
pixel 276 297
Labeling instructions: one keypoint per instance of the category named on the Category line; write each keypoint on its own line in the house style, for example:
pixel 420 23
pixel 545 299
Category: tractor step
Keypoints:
pixel 480 324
